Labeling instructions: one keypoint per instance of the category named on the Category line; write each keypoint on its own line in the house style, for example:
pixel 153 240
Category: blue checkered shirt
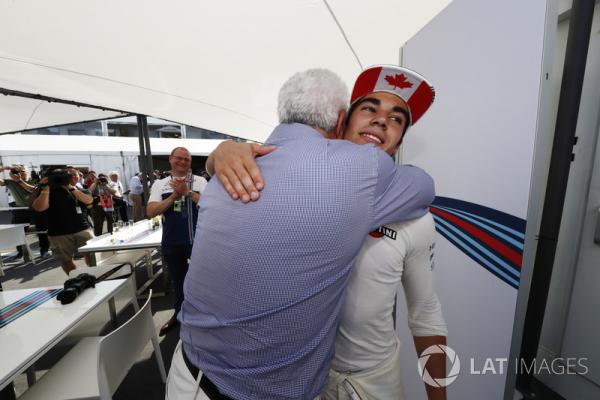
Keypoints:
pixel 266 279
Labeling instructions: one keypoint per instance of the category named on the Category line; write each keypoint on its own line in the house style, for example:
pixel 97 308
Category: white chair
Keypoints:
pixel 94 322
pixel 96 366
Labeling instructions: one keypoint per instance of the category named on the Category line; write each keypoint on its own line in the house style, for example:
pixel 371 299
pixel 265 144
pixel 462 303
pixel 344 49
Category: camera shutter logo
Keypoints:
pixel 454 369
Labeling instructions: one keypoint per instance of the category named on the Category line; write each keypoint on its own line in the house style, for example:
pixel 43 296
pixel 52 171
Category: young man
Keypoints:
pixel 366 362
pixel 367 354
pixel 266 280
pixel 176 199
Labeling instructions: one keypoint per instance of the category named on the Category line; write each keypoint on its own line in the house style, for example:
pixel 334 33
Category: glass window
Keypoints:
pixel 167 131
pixel 84 129
pixel 124 130
pixel 192 132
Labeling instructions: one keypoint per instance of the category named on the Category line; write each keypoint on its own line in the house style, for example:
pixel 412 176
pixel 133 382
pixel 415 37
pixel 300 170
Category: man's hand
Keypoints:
pixel 179 186
pixel 235 166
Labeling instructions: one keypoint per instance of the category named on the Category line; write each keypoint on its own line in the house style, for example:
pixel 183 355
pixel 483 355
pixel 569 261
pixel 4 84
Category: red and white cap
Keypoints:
pixel 404 83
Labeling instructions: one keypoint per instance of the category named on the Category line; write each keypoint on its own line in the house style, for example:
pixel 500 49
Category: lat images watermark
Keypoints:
pixel 450 355
pixel 497 366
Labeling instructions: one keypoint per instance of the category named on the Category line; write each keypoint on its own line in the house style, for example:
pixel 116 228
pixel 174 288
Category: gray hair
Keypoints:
pixel 313 97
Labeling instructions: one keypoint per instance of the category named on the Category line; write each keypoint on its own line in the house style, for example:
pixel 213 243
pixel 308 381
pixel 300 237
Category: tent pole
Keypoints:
pixel 49 99
pixel 149 162
pixel 560 163
pixel 142 124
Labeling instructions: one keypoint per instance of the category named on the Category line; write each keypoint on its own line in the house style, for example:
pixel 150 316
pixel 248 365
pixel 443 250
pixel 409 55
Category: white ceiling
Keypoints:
pixel 214 65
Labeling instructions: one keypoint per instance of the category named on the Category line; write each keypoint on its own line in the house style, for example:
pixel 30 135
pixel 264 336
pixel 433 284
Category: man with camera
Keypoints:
pixel 103 209
pixel 68 228
pixel 21 192
pixel 89 178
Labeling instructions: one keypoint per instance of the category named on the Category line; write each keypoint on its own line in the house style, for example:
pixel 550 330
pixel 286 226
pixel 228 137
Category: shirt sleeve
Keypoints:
pixel 135 184
pixel 156 192
pixel 81 204
pixel 402 193
pixel 424 309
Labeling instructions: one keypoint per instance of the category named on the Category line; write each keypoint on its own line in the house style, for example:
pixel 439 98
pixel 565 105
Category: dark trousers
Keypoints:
pixel 177 258
pixel 20 217
pixel 98 216
pixel 40 219
pixel 121 207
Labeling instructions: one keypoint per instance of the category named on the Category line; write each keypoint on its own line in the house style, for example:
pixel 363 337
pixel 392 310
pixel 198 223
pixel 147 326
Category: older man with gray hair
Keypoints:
pixel 266 279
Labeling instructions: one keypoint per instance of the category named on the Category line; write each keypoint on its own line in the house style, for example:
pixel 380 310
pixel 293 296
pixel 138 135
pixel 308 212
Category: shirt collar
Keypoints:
pixel 292 131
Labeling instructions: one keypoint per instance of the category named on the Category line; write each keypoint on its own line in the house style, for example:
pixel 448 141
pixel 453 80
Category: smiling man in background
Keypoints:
pixel 176 198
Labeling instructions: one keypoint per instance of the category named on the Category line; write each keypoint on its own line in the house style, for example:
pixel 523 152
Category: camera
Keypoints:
pixel 58 177
pixel 74 286
pixel 14 171
pixel 103 180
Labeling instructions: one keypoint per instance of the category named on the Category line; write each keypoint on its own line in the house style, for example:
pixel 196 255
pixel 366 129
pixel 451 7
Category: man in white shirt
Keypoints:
pixel 176 198
pixel 118 198
pixel 135 195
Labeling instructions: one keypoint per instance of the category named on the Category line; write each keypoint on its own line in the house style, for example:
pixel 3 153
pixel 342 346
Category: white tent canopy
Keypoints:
pixel 226 60
pixel 20 113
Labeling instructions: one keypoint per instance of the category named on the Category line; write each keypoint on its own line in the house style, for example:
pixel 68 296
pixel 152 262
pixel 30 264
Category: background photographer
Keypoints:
pixel 90 178
pixel 68 228
pixel 21 193
pixel 103 208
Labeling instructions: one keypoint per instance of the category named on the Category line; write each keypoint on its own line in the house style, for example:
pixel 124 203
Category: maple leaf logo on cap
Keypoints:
pixel 414 89
pixel 399 81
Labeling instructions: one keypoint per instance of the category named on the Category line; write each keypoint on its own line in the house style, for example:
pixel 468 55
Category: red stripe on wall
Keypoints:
pixel 513 256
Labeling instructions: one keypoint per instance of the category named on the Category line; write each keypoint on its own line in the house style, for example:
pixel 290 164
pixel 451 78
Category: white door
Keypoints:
pixel 572 321
pixel 582 330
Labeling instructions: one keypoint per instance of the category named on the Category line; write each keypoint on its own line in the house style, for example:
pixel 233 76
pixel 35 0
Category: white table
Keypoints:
pixel 26 339
pixel 136 237
pixel 13 208
pixel 12 235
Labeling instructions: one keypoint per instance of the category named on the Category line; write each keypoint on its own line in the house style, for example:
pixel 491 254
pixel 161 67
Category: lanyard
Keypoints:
pixel 188 204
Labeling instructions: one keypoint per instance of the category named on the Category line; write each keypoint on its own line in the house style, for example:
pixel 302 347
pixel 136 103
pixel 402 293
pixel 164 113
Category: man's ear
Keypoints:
pixel 339 126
